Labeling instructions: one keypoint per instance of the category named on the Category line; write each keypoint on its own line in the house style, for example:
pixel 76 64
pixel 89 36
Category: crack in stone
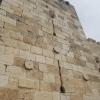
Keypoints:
pixel 62 89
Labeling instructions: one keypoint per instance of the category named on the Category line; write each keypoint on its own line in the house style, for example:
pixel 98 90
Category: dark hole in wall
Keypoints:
pixel 62 89
pixel 67 3
pixel 54 34
pixel 97 60
pixel 52 14
pixel 46 6
pixel 99 69
pixel 0 1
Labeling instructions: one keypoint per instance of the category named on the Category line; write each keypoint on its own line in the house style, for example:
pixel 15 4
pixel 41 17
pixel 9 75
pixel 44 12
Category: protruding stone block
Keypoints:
pixel 43 68
pixel 29 65
pixel 28 83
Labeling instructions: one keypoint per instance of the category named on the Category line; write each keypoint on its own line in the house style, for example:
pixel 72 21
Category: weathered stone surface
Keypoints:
pixel 19 61
pixel 29 65
pixel 8 94
pixel 25 94
pixel 40 59
pixel 63 97
pixel 45 86
pixel 36 50
pixel 28 83
pixel 77 97
pixel 14 71
pixel 49 78
pixel 43 96
pixel 43 67
pixel 56 96
pixel 7 59
pixel 3 80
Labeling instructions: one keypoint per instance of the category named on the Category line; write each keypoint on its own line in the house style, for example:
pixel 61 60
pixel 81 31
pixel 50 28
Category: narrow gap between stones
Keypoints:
pixel 53 28
pixel 6 68
pixel 62 89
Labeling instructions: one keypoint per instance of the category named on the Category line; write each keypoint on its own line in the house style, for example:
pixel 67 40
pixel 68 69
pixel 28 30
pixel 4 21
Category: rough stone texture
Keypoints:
pixel 36 38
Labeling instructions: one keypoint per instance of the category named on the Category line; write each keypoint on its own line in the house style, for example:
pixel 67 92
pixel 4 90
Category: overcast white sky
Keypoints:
pixel 89 15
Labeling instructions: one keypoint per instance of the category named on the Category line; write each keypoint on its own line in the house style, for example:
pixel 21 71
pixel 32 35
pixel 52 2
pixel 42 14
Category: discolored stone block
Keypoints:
pixel 8 94
pixel 19 61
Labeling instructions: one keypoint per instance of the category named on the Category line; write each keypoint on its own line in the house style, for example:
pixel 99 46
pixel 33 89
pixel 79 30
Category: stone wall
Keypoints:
pixel 44 54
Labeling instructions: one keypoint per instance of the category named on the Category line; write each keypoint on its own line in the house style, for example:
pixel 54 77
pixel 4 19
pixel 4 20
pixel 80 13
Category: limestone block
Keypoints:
pixel 24 54
pixel 19 61
pixel 28 83
pixel 1 24
pixel 21 27
pixel 48 29
pixel 17 11
pixel 63 97
pixel 56 96
pixel 58 57
pixel 32 57
pixel 8 94
pixel 2 48
pixel 77 97
pixel 43 96
pixel 40 59
pixel 29 65
pixel 2 68
pixel 53 69
pixel 6 59
pixel 39 41
pixel 29 39
pixel 36 74
pixel 49 78
pixel 36 50
pixel 49 61
pixel 40 33
pixel 13 82
pixel 8 20
pixel 10 42
pixel 36 84
pixel 17 36
pixel 15 71
pixel 48 53
pixel 43 67
pixel 25 94
pixel 67 65
pixel 10 50
pixel 70 54
pixel 44 86
pixel 3 80
pixel 23 46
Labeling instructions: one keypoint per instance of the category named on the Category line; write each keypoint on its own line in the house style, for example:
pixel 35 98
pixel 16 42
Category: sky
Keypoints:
pixel 89 14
